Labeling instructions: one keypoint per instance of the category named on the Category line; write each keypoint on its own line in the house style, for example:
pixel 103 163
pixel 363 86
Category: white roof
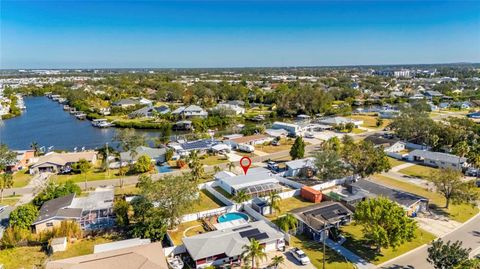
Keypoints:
pixel 120 244
pixel 254 176
pixel 99 199
pixel 298 164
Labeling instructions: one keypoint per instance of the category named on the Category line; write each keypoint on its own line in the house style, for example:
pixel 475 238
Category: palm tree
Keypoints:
pixel 195 165
pixel 230 165
pixel 288 222
pixel 6 182
pixel 36 148
pixel 276 261
pixel 274 201
pixel 241 196
pixel 216 169
pixel 254 252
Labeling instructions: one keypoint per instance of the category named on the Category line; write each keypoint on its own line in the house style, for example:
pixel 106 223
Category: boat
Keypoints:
pixel 175 262
pixel 73 110
pixel 80 115
pixel 101 123
pixel 66 107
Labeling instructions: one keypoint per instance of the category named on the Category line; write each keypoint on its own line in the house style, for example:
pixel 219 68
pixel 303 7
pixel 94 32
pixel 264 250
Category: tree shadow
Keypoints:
pixel 361 247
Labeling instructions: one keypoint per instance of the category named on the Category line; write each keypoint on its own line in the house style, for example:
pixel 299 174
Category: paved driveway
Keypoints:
pixel 290 261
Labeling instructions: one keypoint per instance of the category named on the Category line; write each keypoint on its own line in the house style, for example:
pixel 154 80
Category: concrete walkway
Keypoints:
pixel 352 257
pixel 401 166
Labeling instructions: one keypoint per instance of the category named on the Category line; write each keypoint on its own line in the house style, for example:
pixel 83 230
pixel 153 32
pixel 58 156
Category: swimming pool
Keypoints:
pixel 232 216
pixel 164 168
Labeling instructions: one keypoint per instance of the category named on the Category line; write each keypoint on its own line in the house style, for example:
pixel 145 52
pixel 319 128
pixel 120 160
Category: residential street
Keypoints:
pixel 469 234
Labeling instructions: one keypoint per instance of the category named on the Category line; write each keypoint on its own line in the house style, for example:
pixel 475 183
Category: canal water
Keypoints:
pixel 46 123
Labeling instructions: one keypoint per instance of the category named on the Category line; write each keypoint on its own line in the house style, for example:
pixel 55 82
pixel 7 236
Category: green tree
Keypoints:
pixel 230 165
pixel 365 159
pixel 54 190
pixel 288 222
pixel 461 149
pixel 169 154
pixel 298 149
pixel 254 252
pixel 23 216
pixel 349 127
pixel 6 182
pixel 330 165
pixel 196 166
pixel 274 201
pixel 277 261
pixel 447 255
pixel 379 122
pixel 332 144
pixel 7 157
pixel 384 222
pixel 449 183
pixel 83 166
pixel 129 139
pixel 121 209
pixel 165 131
pixel 143 164
pixel 241 196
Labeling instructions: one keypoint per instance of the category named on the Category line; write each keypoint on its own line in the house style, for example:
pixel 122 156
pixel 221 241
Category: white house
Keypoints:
pixel 291 128
pixel 190 111
pixel 257 182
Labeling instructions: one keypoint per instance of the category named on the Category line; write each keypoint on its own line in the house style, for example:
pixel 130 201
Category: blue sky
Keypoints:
pixel 102 34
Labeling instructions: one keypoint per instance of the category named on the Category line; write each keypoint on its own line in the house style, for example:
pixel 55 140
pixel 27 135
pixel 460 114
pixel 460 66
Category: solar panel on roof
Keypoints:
pixel 249 232
pixel 259 236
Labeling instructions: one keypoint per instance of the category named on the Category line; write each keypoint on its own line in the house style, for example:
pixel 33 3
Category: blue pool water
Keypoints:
pixel 164 168
pixel 232 216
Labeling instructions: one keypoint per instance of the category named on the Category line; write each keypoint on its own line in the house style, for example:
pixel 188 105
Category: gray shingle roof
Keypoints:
pixel 56 208
pixel 437 156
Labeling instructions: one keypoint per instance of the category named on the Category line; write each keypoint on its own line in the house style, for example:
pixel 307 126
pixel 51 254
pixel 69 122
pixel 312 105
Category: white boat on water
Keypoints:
pixel 101 123
pixel 175 262
pixel 80 115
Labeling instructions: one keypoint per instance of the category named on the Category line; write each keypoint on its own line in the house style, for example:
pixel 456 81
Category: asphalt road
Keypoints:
pixel 468 233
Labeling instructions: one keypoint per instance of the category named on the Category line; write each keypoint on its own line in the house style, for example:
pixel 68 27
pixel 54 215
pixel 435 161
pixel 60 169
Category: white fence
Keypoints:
pixel 288 194
pixel 329 184
pixel 175 250
pixel 209 213
pixel 209 186
pixel 290 183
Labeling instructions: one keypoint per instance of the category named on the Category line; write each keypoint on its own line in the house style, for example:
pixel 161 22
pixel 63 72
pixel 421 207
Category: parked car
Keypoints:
pixel 276 143
pixel 246 148
pixel 272 165
pixel 478 183
pixel 309 135
pixel 472 172
pixel 300 256
pixel 2 208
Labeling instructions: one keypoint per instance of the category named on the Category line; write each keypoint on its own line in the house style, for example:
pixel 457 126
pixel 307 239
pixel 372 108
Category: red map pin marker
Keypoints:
pixel 245 163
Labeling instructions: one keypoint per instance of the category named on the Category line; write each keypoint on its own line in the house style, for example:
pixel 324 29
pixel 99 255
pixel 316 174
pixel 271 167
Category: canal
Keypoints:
pixel 46 123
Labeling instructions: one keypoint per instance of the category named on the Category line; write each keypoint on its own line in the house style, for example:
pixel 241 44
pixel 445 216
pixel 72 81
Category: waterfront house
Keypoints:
pixel 229 109
pixel 23 160
pixel 257 182
pixel 334 121
pixel 125 103
pixel 438 159
pixel 225 246
pixel 314 221
pixel 148 112
pixel 54 162
pixel 92 212
pixel 249 140
pixel 201 146
pixel 145 256
pixel 190 112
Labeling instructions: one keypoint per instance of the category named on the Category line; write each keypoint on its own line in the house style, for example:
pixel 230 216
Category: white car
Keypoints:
pixel 300 256
pixel 309 135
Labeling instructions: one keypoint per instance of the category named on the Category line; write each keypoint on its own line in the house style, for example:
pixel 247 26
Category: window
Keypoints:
pixel 49 224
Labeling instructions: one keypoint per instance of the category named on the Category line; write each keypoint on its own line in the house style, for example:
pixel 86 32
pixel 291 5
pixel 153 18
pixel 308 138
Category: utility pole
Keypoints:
pixel 106 158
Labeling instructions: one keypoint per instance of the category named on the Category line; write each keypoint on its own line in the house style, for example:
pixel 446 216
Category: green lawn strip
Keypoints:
pixel 206 202
pixel 314 251
pixel 177 234
pixel 223 192
pixel 91 176
pixel 288 204
pixel 10 200
pixel 22 257
pixel 394 162
pixel 80 247
pixel 460 213
pixel 418 171
pixel 213 160
pixel 21 178
pixel 356 243
pixel 127 190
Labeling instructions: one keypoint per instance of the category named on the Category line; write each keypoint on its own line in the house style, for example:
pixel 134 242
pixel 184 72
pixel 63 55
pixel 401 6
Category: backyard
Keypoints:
pixel 460 212
pixel 289 204
pixel 394 162
pixel 418 171
pixel 213 160
pixel 206 202
pixel 193 227
pixel 28 257
pixel 285 144
pixel 93 175
pixel 370 121
pixel 356 243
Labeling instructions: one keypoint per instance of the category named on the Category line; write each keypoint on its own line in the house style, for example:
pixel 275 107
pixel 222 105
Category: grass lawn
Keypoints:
pixel 357 244
pixel 357 131
pixel 95 174
pixel 213 160
pixel 394 162
pixel 21 178
pixel 460 213
pixel 10 200
pixel 418 171
pixel 289 204
pixel 314 251
pixel 223 192
pixel 285 144
pixel 80 247
pixel 206 202
pixel 370 121
pixel 127 190
pixel 177 235
pixel 28 257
